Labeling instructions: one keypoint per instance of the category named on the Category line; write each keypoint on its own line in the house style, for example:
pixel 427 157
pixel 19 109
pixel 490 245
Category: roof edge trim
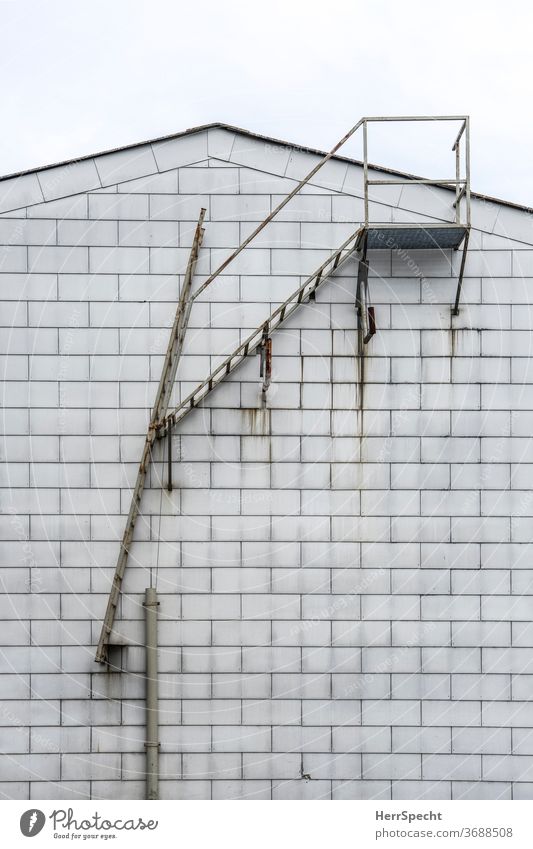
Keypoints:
pixel 233 129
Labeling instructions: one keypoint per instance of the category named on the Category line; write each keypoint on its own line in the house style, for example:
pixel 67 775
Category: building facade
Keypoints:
pixel 344 575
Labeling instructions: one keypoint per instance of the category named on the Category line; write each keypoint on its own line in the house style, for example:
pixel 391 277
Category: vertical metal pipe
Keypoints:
pixel 152 707
pixel 365 170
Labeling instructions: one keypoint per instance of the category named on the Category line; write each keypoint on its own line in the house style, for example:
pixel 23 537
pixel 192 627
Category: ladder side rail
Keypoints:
pixel 114 593
pixel 157 411
pixel 179 326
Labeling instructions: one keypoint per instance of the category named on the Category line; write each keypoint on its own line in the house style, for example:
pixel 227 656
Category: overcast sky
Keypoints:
pixel 79 77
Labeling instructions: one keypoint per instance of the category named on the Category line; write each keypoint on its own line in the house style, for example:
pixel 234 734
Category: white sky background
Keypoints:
pixel 79 77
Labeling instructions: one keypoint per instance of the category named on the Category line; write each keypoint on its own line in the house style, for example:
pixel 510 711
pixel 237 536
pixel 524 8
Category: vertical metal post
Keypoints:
pixel 152 706
pixel 169 459
pixel 467 167
pixel 365 170
pixel 457 186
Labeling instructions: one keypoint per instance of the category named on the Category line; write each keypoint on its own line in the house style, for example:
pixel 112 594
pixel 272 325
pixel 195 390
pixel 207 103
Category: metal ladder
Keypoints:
pixel 160 407
pixel 161 424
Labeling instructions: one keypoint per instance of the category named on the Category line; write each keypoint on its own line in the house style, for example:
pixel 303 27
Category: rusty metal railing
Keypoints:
pixel 461 184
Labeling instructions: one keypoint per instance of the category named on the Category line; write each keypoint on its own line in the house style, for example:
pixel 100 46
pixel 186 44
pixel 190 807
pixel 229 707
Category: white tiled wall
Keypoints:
pixel 344 577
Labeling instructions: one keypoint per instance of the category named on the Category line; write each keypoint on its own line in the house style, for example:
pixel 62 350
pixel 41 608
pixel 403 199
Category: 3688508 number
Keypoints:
pixel 489 831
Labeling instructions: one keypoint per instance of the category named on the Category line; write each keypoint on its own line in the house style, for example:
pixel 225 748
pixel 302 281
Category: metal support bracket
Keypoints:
pixel 371 325
pixel 455 308
pixel 169 460
pixel 265 369
pixel 365 311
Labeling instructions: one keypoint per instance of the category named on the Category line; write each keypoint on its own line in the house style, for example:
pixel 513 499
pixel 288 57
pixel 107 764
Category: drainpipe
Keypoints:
pixel 152 707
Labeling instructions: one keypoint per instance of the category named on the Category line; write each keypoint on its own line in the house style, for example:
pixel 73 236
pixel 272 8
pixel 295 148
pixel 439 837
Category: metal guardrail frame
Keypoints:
pixel 460 184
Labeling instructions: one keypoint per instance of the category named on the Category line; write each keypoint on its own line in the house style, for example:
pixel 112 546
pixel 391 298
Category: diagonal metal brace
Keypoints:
pixel 455 309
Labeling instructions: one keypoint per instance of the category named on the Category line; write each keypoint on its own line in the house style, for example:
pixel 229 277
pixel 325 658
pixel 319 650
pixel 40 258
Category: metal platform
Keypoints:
pixel 442 235
pixel 414 237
